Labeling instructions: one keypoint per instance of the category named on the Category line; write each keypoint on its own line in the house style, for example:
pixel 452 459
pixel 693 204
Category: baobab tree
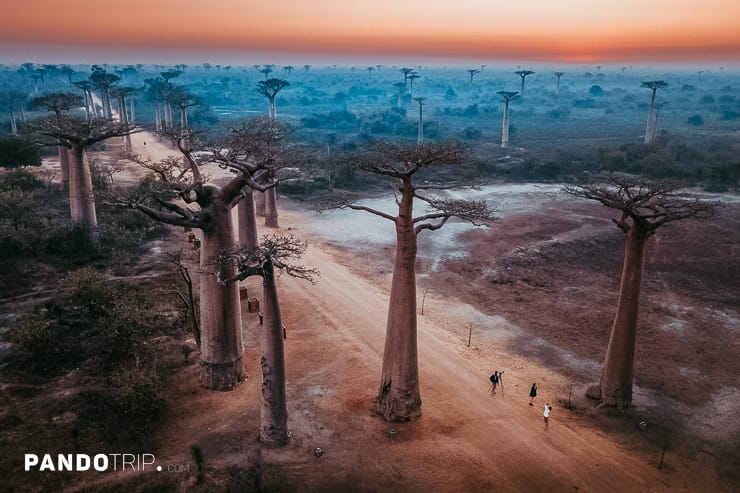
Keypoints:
pixel 370 70
pixel 557 87
pixel 87 86
pixel 14 102
pixel 507 96
pixel 256 147
pixel 266 72
pixel 412 77
pixel 221 349
pixel 59 103
pixel 420 137
pixel 650 130
pixel 121 93
pixel 472 73
pixel 77 135
pixel 406 72
pixel 523 74
pixel 270 89
pixel 288 69
pixel 398 396
pixel 274 254
pixel 644 206
pixel 104 81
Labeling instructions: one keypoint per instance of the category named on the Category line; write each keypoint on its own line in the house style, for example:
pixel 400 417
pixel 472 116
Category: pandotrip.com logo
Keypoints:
pixel 85 462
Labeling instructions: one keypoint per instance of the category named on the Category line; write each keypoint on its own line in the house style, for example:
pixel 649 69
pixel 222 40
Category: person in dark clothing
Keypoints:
pixel 532 394
pixel 494 381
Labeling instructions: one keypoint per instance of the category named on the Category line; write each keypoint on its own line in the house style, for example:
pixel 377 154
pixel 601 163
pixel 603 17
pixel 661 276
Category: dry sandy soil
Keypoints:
pixel 538 290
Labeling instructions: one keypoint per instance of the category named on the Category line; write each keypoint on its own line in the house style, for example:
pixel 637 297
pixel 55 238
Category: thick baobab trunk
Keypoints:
pixel 649 128
pixel 123 118
pixel 184 117
pixel 259 203
pixel 273 409
pixel 221 350
pixel 64 165
pixel 271 210
pixel 505 128
pixel 247 220
pixel 616 377
pixel 108 103
pixel 398 396
pixel 420 134
pixel 81 197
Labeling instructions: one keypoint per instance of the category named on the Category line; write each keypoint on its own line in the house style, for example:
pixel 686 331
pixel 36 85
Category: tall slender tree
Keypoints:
pixel 558 75
pixel 398 395
pixel 523 74
pixel 274 254
pixel 472 72
pixel 645 206
pixel 270 89
pixel 507 96
pixel 420 135
pixel 650 131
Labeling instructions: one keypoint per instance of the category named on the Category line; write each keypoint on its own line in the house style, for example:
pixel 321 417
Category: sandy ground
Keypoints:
pixel 467 439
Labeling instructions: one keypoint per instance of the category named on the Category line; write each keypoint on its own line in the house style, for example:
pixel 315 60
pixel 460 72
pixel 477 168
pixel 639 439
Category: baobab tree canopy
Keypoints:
pixel 57 102
pixel 645 204
pixel 270 87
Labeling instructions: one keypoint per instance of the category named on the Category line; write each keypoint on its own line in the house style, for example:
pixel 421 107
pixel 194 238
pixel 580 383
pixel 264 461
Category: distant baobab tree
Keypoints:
pixel 398 395
pixel 406 72
pixel 472 73
pixel 650 130
pixel 507 96
pixel 59 103
pixel 288 69
pixel 370 70
pixel 270 89
pixel 401 87
pixel 121 93
pixel 420 137
pixel 412 78
pixel 266 72
pixel 77 135
pixel 168 75
pixel 275 254
pixel 644 207
pixel 14 101
pixel 306 68
pixel 87 86
pixel 104 81
pixel 557 87
pixel 523 74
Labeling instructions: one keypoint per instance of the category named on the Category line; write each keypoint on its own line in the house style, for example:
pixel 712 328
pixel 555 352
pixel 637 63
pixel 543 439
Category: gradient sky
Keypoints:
pixel 578 31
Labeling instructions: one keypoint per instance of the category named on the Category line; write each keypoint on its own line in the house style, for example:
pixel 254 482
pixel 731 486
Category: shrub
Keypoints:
pixel 696 120
pixel 92 319
pixel 16 152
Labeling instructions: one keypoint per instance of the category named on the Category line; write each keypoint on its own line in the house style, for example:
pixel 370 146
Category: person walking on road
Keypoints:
pixel 546 414
pixel 494 382
pixel 532 394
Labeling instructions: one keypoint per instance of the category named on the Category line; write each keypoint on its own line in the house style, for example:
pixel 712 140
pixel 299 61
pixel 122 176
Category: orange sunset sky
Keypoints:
pixel 578 31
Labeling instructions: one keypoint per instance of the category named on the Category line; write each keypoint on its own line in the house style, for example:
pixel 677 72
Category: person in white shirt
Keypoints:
pixel 546 414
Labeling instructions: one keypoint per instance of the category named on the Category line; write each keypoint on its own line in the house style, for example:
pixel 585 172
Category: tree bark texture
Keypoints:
pixel 221 348
pixel 649 130
pixel 273 409
pixel 247 220
pixel 259 203
pixel 81 197
pixel 616 377
pixel 398 397
pixel 271 210
pixel 505 127
pixel 64 165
